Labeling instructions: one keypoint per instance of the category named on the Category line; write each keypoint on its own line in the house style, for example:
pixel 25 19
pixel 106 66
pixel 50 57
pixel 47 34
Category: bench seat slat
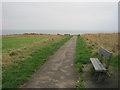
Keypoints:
pixel 97 65
pixel 100 65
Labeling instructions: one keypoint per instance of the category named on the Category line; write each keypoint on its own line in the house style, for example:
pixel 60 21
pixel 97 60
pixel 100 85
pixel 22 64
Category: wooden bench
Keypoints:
pixel 101 65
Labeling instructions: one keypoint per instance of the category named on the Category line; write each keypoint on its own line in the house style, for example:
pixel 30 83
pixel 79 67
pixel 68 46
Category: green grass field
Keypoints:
pixel 17 42
pixel 20 71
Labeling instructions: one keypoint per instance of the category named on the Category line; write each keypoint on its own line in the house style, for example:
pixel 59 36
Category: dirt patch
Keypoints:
pixel 59 71
pixel 90 80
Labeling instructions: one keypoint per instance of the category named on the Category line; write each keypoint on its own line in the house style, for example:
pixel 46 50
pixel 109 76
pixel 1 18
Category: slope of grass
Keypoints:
pixel 19 72
pixel 82 57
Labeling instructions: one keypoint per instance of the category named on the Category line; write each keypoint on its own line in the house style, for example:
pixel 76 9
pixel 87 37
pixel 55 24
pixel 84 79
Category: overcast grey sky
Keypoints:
pixel 59 17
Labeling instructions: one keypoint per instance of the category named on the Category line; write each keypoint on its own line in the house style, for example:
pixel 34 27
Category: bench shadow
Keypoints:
pixel 90 80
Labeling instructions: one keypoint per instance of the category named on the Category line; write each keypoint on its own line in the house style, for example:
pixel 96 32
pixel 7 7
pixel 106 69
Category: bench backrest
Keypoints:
pixel 107 54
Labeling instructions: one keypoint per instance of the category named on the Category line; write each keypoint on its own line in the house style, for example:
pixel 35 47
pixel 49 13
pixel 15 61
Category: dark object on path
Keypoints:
pixel 101 65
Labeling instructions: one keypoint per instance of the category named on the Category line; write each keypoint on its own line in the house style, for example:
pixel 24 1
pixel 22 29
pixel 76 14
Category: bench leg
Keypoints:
pixel 92 71
pixel 101 77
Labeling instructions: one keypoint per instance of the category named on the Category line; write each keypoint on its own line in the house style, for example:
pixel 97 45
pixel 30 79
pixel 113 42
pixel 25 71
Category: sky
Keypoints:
pixel 59 17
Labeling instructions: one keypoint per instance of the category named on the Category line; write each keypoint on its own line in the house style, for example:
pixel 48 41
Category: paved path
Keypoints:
pixel 59 71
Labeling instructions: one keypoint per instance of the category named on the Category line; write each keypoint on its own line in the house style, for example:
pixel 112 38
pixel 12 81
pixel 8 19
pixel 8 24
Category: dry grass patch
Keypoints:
pixel 108 41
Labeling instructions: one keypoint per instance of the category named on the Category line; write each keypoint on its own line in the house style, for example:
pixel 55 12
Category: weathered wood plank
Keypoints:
pixel 105 53
pixel 98 65
pixel 95 64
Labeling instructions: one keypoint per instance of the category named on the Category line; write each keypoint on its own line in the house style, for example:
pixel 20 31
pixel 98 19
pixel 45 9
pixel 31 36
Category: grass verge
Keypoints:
pixel 19 72
pixel 115 61
pixel 82 57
